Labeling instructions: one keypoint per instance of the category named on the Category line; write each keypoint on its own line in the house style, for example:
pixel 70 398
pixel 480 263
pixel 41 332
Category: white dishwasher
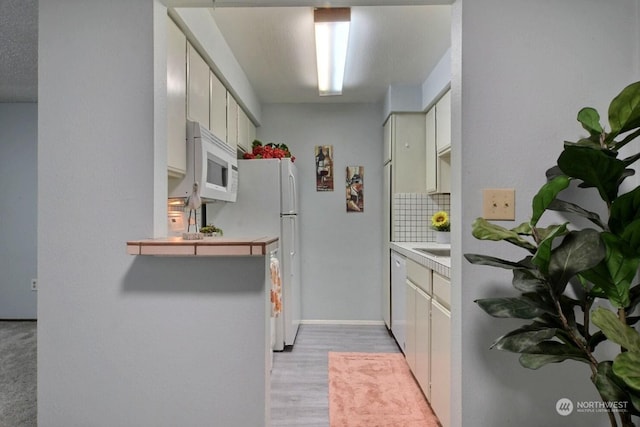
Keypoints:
pixel 398 298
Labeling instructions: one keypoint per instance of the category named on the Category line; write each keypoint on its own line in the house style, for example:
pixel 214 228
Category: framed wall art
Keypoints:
pixel 355 189
pixel 324 167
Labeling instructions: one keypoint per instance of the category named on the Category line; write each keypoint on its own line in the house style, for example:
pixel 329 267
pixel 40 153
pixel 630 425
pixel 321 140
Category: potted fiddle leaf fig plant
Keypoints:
pixel 566 269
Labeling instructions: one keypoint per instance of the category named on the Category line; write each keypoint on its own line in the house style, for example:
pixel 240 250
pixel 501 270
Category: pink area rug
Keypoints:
pixel 375 390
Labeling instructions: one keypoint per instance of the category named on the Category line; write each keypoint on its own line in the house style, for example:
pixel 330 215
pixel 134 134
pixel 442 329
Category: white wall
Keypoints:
pixel 18 209
pixel 341 263
pixel 124 340
pixel 526 69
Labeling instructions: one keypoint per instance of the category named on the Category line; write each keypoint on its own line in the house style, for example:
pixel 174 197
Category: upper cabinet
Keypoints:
pixel 195 92
pixel 443 123
pixel 438 146
pixel 232 121
pixel 431 171
pixel 244 130
pixel 197 87
pixel 176 100
pixel 218 107
pixel 405 135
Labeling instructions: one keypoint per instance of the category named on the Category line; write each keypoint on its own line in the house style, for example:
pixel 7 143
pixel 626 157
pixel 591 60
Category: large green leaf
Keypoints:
pixel 528 281
pixel 484 230
pixel 512 307
pixel 579 251
pixel 590 120
pixel 480 259
pixel 631 235
pixel 609 386
pixel 519 340
pixel 547 193
pixel 624 210
pixel 622 263
pixel 615 330
pixel 596 168
pixel 543 254
pixel 624 110
pixel 550 352
pixel 627 366
pixel 564 206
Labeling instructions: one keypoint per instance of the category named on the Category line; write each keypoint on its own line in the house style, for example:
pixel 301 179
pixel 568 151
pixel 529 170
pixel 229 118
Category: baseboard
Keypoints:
pixel 342 322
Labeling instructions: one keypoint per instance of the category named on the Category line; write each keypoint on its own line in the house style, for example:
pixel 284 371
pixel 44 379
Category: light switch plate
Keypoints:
pixel 499 204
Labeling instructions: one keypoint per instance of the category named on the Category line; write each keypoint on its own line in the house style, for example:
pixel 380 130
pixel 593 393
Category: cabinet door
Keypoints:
pixel 232 121
pixel 243 130
pixel 441 362
pixel 386 284
pixel 431 154
pixel 408 153
pixel 386 150
pixel 423 342
pixel 197 87
pixel 176 100
pixel 218 107
pixel 443 122
pixel 410 331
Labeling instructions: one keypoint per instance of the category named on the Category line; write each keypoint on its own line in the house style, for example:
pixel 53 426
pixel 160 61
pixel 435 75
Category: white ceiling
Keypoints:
pixel 387 45
pixel 275 47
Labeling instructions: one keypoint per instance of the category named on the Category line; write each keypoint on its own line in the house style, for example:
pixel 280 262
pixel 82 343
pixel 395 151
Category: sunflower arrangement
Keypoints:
pixel 440 221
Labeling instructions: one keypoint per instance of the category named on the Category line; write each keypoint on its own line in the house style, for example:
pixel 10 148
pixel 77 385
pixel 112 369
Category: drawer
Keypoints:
pixel 419 275
pixel 442 289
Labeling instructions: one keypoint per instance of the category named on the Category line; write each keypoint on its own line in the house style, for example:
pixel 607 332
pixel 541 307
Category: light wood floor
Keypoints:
pixel 299 379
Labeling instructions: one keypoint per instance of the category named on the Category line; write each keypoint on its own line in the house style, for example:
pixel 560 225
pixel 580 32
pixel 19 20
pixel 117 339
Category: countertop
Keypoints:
pixel 440 264
pixel 209 246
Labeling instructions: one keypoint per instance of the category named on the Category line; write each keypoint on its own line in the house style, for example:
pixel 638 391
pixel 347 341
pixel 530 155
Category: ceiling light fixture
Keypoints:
pixel 332 37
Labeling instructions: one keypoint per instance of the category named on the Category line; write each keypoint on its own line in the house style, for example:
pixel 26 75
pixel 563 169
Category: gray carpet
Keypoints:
pixel 18 374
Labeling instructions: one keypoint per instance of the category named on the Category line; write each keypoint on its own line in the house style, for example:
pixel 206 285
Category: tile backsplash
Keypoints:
pixel 412 215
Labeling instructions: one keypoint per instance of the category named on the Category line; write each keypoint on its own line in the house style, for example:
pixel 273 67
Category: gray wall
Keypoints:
pixel 521 72
pixel 341 264
pixel 18 209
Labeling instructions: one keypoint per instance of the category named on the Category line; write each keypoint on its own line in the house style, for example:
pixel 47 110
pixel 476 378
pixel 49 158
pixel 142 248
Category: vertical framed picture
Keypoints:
pixel 324 167
pixel 355 189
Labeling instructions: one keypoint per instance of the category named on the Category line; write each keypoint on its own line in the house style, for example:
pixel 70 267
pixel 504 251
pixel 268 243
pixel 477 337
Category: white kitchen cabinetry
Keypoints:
pixel 422 371
pixel 197 87
pixel 217 107
pixel 428 335
pixel 176 101
pixel 438 146
pixel 410 330
pixel 407 134
pixel 443 120
pixel 431 152
pixel 441 349
pixel 232 121
pixel 243 130
pixel 418 332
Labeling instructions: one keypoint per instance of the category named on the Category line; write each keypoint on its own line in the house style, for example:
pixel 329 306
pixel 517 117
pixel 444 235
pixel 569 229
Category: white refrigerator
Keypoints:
pixel 267 205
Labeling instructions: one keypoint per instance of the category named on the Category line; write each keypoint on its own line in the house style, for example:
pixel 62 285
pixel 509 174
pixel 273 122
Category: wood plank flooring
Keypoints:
pixel 299 378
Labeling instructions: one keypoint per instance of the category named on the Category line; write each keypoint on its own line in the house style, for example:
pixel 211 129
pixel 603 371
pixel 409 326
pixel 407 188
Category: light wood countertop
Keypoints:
pixel 209 246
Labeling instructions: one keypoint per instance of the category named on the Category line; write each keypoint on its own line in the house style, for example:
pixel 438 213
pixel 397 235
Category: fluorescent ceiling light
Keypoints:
pixel 332 37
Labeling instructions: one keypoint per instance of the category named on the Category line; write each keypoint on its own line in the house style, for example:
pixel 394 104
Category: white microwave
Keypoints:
pixel 210 162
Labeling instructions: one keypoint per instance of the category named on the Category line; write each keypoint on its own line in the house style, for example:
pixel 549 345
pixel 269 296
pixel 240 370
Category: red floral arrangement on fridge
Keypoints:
pixel 268 151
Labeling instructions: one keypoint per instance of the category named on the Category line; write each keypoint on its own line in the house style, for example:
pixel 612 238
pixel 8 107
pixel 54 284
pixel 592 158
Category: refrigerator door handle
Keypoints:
pixel 293 236
pixel 292 191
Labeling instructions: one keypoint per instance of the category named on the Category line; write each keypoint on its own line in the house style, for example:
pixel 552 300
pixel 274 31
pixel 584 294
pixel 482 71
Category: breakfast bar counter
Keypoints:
pixel 209 246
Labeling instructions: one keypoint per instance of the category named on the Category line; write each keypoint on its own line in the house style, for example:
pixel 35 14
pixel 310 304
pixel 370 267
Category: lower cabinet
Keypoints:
pixel 441 362
pixel 422 370
pixel 410 331
pixel 428 335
